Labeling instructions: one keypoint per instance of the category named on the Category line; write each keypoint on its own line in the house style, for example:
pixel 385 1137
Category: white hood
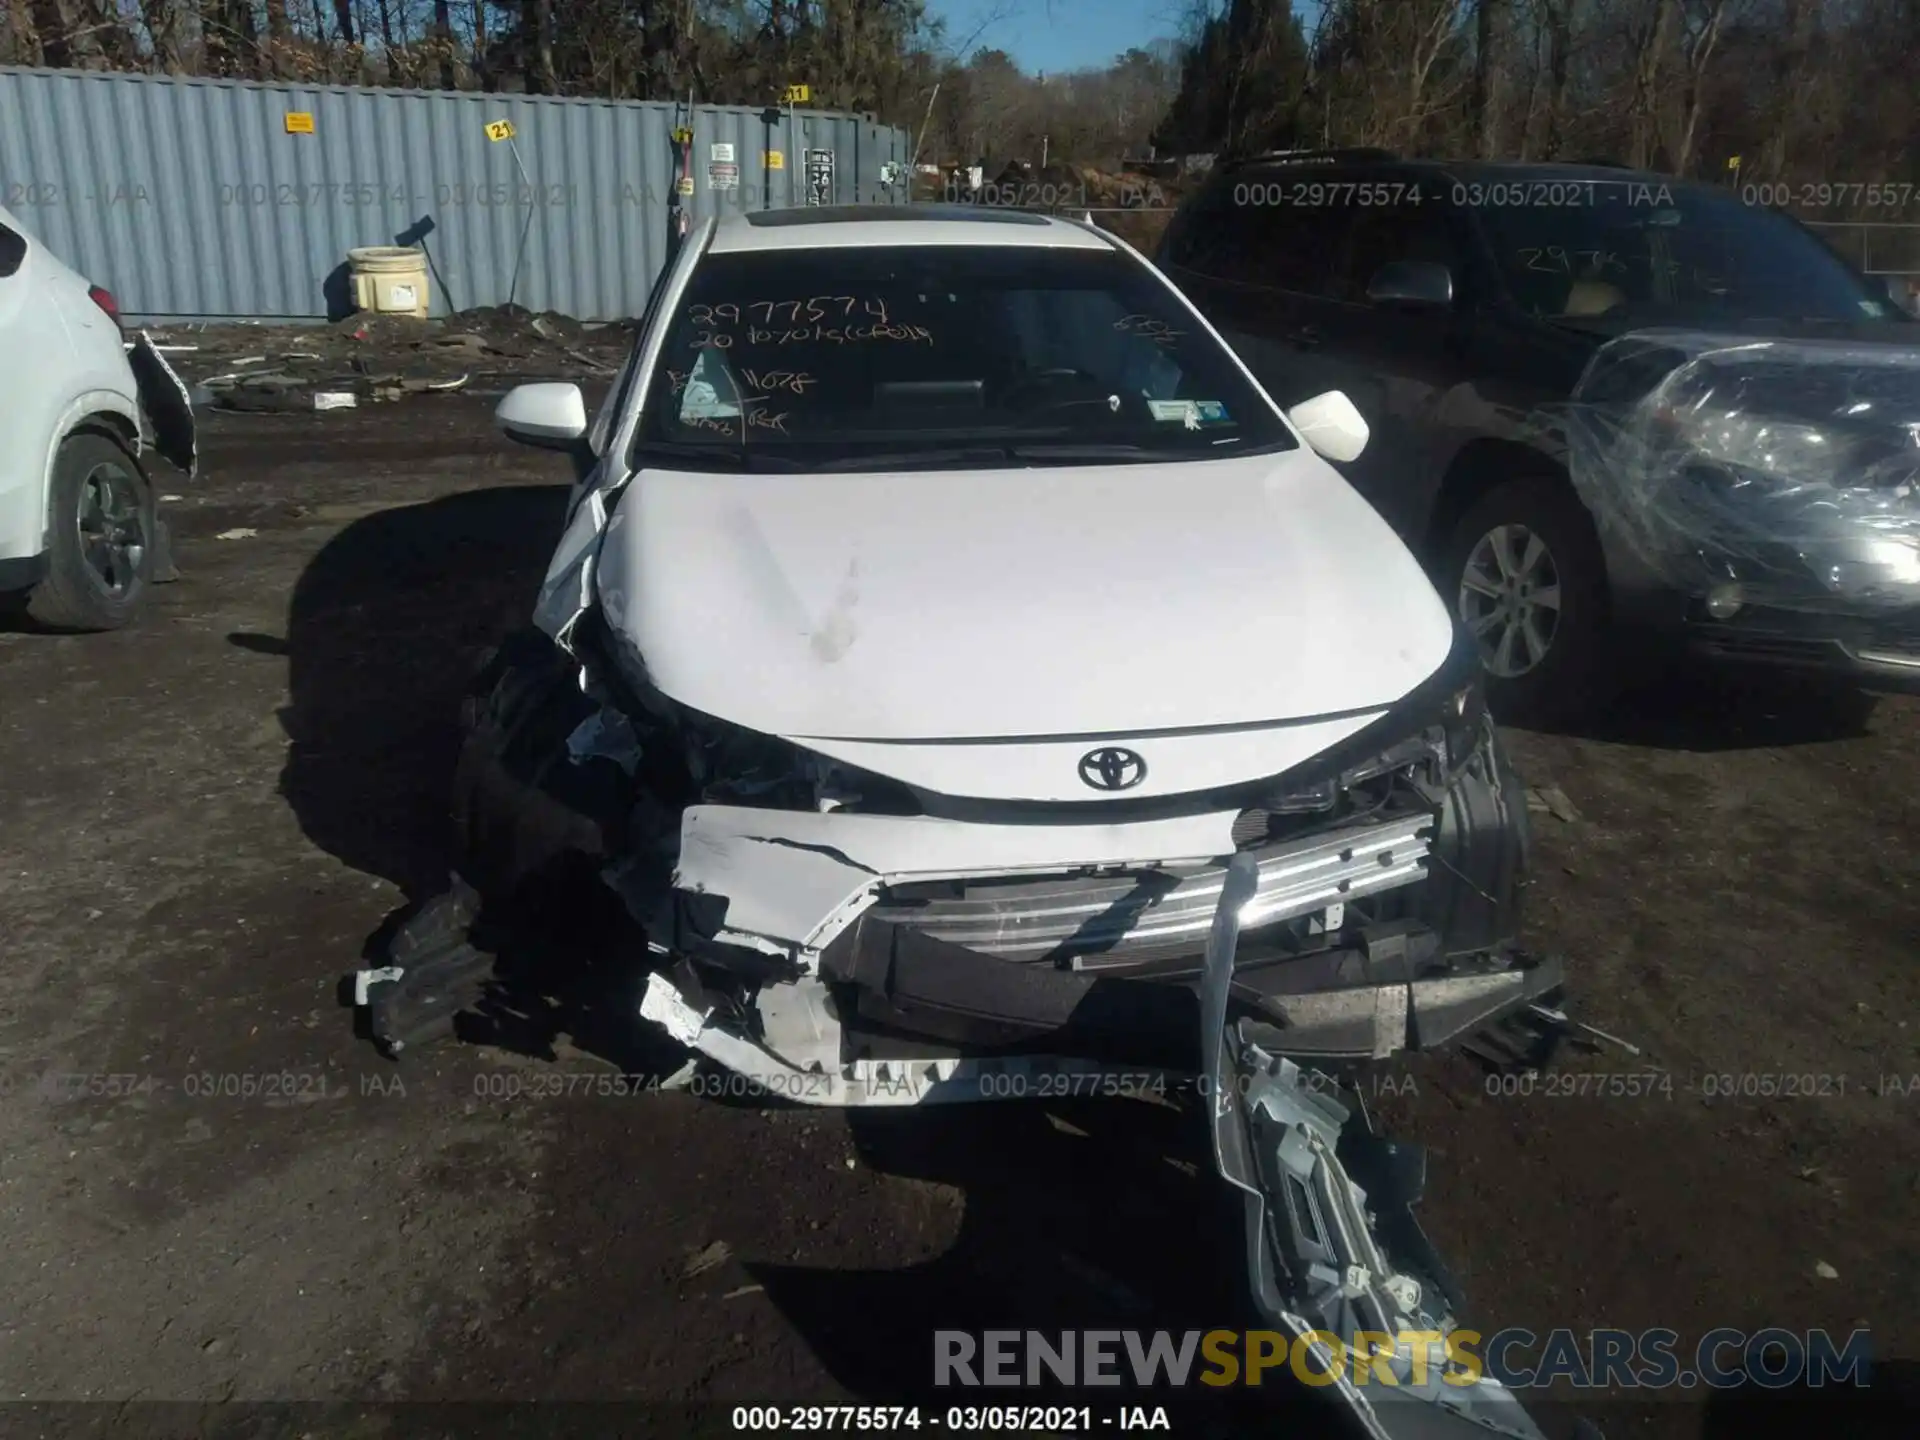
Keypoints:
pixel 984 604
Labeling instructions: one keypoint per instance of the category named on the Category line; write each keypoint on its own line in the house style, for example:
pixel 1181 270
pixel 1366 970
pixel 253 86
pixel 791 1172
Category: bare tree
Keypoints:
pixel 1700 26
pixel 443 42
pixel 1650 32
pixel 541 78
pixel 66 39
pixel 161 18
pixel 22 40
pixel 1489 73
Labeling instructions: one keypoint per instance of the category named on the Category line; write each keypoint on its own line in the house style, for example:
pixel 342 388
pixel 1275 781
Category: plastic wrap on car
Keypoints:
pixel 1787 468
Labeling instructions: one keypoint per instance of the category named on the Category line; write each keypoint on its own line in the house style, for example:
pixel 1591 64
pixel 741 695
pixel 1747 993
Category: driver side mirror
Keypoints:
pixel 1332 425
pixel 547 416
pixel 1412 282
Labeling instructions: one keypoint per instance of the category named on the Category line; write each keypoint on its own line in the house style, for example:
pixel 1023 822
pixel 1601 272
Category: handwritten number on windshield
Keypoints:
pixel 811 311
pixel 1157 331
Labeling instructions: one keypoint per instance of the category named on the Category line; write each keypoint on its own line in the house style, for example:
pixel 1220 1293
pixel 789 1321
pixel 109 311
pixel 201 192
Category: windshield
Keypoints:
pixel 1644 251
pixel 900 357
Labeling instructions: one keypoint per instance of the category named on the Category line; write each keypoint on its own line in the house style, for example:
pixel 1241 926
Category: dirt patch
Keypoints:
pixel 222 1195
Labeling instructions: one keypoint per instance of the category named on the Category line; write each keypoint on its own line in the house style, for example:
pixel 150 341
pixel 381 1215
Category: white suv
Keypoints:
pixel 80 531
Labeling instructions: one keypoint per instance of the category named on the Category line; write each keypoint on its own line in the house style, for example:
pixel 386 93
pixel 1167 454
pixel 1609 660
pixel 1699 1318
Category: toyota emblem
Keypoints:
pixel 1112 768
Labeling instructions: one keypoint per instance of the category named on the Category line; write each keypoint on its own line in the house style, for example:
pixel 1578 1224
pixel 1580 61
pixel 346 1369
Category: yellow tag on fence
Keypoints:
pixel 500 130
pixel 299 122
pixel 798 95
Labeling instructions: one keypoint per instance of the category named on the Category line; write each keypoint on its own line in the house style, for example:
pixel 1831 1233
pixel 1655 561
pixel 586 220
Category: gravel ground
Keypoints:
pixel 203 820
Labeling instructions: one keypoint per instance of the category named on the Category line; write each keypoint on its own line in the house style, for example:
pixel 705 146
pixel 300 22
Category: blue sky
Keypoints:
pixel 1054 35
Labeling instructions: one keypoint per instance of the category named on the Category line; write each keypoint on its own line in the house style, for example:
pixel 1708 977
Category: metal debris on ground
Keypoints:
pixel 1566 1022
pixel 286 369
pixel 1553 800
pixel 716 1254
pixel 238 534
pixel 681 1078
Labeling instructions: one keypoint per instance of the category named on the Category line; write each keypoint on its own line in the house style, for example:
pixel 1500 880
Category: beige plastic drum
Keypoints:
pixel 389 279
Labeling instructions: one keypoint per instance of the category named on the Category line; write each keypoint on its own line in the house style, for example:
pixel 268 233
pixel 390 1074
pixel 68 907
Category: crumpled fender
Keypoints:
pixel 169 406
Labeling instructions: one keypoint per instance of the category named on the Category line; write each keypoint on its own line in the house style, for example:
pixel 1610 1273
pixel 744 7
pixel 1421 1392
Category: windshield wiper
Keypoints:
pixel 737 458
pixel 1067 452
pixel 955 457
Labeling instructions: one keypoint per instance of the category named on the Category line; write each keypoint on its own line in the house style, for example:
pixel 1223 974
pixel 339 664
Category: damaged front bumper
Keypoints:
pixel 845 959
pixel 896 949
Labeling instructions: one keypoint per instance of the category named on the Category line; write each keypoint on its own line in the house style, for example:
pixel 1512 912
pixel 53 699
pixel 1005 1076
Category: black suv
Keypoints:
pixel 1459 306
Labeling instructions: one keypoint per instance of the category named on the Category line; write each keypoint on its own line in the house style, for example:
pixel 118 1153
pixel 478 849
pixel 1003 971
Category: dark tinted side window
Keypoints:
pixel 1287 228
pixel 1300 247
pixel 13 250
pixel 1211 235
pixel 1386 232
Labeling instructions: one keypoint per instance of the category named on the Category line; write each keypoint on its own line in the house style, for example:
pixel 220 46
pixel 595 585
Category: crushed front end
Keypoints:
pixel 840 937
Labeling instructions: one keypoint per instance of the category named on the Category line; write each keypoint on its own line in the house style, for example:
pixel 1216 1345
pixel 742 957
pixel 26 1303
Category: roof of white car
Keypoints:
pixel 856 226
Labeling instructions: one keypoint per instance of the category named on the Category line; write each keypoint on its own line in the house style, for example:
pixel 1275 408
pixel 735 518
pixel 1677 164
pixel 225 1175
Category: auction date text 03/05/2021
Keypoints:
pixel 962 1419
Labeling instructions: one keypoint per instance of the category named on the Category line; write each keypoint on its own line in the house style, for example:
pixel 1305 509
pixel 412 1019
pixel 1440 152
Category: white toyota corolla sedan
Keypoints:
pixel 976 687
pixel 942 606
pixel 80 531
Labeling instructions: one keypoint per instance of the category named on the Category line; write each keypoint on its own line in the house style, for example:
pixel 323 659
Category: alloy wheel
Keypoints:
pixel 113 529
pixel 1510 599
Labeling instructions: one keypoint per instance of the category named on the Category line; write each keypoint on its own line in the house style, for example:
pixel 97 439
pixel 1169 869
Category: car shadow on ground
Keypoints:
pixel 1080 1215
pixel 385 629
pixel 1705 710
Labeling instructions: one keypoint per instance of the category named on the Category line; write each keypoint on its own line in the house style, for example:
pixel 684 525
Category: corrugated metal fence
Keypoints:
pixel 217 198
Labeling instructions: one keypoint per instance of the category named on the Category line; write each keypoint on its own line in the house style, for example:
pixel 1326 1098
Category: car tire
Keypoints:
pixel 1494 541
pixel 102 531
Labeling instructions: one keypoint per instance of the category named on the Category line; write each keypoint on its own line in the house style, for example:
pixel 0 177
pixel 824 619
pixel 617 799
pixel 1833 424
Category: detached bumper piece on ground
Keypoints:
pixel 1328 1255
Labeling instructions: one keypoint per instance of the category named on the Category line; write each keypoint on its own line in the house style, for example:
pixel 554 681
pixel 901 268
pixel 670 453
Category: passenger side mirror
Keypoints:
pixel 547 416
pixel 1412 282
pixel 1332 425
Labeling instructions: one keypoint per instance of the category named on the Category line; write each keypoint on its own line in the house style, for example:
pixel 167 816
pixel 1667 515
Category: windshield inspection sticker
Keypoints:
pixel 1188 412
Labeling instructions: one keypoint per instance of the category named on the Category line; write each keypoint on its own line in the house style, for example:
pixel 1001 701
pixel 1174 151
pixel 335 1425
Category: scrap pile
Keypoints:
pixel 366 359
